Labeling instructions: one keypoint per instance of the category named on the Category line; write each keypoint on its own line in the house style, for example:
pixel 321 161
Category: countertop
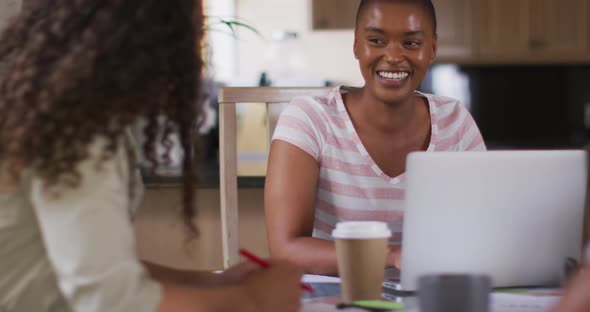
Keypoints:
pixel 208 178
pixel 207 182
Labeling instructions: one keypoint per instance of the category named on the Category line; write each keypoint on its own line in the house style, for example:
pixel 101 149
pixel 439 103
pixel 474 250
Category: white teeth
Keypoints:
pixel 393 75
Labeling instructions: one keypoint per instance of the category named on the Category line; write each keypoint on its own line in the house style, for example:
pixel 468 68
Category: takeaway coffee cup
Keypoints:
pixel 361 248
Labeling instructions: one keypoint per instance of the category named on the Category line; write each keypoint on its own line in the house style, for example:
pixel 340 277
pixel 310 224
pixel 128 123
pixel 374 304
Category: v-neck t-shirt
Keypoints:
pixel 351 185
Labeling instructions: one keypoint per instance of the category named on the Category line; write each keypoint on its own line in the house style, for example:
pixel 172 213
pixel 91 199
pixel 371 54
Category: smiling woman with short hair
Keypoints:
pixel 342 157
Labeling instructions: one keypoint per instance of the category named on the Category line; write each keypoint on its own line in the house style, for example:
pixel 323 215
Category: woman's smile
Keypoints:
pixel 393 78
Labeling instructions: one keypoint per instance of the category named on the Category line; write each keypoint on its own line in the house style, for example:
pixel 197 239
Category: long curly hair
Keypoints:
pixel 77 69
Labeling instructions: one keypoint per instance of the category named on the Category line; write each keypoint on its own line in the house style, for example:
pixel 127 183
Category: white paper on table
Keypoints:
pixel 390 274
pixel 323 307
pixel 312 278
pixel 503 302
pixel 500 302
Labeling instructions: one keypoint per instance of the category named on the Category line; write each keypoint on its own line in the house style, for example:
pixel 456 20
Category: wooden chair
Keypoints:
pixel 228 97
pixel 586 229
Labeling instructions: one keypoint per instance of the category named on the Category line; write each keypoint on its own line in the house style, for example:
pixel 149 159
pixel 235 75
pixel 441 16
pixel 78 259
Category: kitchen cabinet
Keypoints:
pixel 333 14
pixel 492 31
pixel 455 31
pixel 560 26
pixel 533 31
pixel 455 20
pixel 504 27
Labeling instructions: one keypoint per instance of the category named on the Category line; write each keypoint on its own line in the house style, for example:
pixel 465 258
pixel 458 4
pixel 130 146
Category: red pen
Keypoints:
pixel 264 264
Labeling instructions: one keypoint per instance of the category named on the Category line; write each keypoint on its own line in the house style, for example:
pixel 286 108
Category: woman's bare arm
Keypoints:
pixel 289 202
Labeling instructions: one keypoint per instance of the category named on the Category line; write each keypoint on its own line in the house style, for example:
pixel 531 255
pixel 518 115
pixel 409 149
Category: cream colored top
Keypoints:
pixel 74 251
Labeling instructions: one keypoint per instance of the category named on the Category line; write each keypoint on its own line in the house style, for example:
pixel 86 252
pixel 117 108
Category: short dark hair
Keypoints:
pixel 426 4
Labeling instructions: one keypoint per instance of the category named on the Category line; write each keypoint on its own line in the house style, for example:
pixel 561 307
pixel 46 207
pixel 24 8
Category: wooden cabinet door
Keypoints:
pixel 504 28
pixel 559 27
pixel 455 29
pixel 333 14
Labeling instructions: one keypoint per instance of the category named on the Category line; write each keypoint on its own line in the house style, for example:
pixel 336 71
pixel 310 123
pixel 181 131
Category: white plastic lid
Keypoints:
pixel 361 230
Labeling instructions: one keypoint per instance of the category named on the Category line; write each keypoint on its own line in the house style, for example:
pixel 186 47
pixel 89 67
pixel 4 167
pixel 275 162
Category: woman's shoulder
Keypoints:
pixel 441 101
pixel 323 103
pixel 106 159
pixel 443 105
pixel 313 117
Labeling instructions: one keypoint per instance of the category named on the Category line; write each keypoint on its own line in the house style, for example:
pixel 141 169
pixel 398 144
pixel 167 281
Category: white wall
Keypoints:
pixel 223 61
pixel 328 53
pixel 8 8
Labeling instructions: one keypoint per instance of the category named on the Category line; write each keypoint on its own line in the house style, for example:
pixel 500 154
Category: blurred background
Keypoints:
pixel 520 66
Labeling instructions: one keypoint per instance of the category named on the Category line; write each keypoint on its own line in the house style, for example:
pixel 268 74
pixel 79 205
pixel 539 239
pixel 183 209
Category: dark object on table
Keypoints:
pixel 454 292
pixel 570 268
pixel 372 305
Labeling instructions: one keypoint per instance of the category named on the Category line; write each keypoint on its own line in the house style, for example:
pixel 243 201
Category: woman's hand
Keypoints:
pixel 394 257
pixel 274 289
pixel 576 298
pixel 258 290
pixel 237 273
pixel 230 276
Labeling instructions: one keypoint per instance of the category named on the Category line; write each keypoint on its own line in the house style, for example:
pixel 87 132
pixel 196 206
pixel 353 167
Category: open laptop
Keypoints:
pixel 513 215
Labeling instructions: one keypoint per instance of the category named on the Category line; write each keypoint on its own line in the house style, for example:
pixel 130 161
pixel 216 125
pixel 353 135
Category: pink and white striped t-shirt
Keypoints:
pixel 351 186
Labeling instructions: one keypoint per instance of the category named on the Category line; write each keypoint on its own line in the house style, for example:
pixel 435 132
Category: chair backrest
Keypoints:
pixel 228 97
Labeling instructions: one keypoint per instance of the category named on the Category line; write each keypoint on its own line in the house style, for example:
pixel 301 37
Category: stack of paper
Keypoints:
pixel 516 300
pixel 507 302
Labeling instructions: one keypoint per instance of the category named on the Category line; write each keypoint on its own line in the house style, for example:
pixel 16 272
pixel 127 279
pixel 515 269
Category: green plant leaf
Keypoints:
pixel 231 24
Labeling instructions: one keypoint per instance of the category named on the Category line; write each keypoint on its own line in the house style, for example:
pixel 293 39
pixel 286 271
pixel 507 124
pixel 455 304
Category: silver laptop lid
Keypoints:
pixel 514 215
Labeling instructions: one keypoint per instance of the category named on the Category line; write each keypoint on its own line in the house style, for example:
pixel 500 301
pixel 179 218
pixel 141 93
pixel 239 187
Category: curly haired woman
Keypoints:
pixel 78 74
